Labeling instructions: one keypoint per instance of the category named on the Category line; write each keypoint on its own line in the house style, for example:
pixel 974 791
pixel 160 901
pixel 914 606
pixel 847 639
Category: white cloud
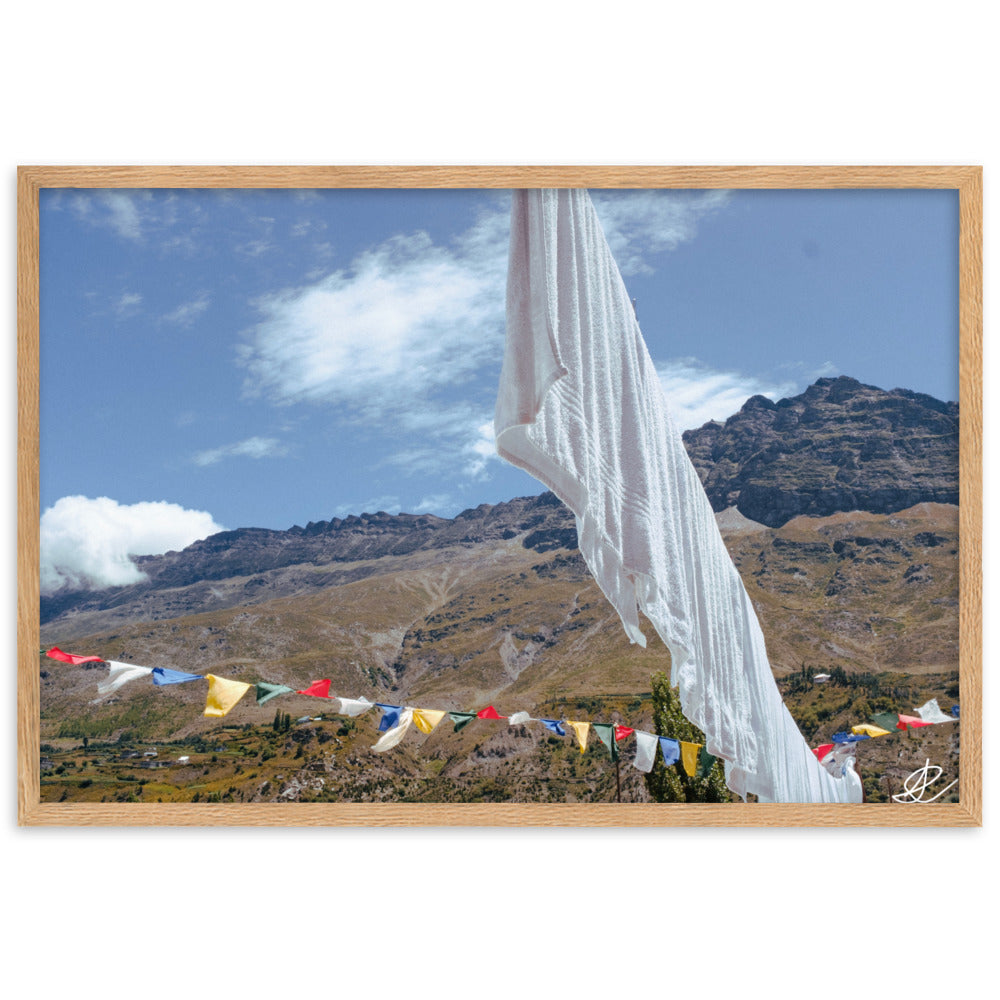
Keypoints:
pixel 638 223
pixel 437 503
pixel 410 317
pixel 127 304
pixel 388 504
pixel 390 340
pixel 255 248
pixel 121 211
pixel 697 393
pixel 87 542
pixel 481 450
pixel 187 312
pixel 253 447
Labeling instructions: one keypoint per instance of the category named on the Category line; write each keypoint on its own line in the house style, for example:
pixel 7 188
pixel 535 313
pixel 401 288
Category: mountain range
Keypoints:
pixel 838 508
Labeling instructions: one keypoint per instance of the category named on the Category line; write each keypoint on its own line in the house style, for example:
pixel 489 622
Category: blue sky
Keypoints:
pixel 224 359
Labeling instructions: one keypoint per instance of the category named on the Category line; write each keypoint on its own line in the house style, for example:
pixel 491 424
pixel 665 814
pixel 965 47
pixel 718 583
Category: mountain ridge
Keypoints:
pixel 840 445
pixel 766 465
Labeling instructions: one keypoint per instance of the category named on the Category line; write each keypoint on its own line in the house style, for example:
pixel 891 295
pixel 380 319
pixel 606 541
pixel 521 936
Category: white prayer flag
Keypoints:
pixel 645 750
pixel 121 673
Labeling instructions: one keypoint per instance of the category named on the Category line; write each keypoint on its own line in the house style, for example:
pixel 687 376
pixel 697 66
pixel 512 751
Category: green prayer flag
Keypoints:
pixel 887 720
pixel 461 719
pixel 606 734
pixel 265 692
pixel 705 763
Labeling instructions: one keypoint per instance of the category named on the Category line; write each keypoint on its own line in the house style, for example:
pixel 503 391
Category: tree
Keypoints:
pixel 673 784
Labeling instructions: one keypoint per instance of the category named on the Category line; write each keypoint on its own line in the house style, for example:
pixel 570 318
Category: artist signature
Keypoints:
pixel 920 782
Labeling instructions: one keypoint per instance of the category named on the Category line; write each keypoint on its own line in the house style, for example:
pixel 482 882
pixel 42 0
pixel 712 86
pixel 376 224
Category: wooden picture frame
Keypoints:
pixel 967 180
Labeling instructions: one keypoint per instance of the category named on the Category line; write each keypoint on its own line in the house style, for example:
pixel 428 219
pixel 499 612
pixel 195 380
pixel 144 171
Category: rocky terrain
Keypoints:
pixel 840 446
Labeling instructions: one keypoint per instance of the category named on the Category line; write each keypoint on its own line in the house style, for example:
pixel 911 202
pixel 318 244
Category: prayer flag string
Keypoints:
pixel 224 694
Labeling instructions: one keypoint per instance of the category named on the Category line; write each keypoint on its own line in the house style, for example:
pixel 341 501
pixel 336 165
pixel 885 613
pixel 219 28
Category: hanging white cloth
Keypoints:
pixel 580 407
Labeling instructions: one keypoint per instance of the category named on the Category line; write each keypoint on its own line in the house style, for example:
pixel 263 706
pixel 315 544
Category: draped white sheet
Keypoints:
pixel 580 407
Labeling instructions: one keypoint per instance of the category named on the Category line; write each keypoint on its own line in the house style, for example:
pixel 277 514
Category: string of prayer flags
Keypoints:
pixel 461 719
pixel 695 764
pixel 866 729
pixel 222 695
pixel 582 730
pixel 390 716
pixel 689 757
pixel 57 654
pixel 121 673
pixel 489 713
pixel 317 689
pixel 351 706
pixel 164 675
pixel 425 719
pixel 392 736
pixel 265 692
pixel 606 734
pixel 645 751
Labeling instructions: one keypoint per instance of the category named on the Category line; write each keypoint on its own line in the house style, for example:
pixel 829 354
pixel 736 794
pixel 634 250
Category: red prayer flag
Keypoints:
pixel 318 689
pixel 489 713
pixel 822 751
pixel 57 654
pixel 623 732
pixel 911 721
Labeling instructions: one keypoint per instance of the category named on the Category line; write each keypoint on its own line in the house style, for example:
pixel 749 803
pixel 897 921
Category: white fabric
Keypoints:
pixel 121 673
pixel 580 407
pixel 930 711
pixel 392 736
pixel 351 706
pixel 518 718
pixel 645 750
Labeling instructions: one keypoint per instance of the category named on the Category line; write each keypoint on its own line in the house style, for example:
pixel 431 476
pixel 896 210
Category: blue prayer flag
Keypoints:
pixel 390 716
pixel 555 726
pixel 954 710
pixel 164 675
pixel 671 750
pixel 849 737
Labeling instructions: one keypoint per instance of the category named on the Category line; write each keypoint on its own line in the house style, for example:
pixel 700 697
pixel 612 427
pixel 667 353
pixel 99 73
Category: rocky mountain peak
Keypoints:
pixel 841 445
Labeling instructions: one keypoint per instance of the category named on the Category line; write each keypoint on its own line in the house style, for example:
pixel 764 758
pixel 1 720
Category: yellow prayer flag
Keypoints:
pixel 582 729
pixel 689 757
pixel 223 695
pixel 866 729
pixel 425 719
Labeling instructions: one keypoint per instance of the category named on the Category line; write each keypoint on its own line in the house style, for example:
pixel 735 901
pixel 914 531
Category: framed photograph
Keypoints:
pixel 496 496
